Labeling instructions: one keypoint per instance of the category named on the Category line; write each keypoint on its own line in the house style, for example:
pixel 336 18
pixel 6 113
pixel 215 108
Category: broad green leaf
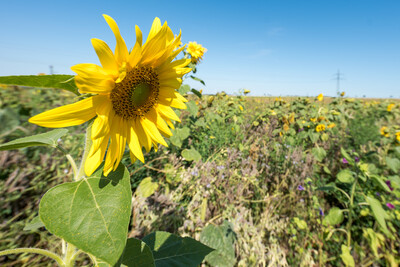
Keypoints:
pixel 221 238
pixel 191 154
pixel 197 79
pixel 184 89
pixel 380 181
pixel 179 135
pixel 33 225
pixel 326 170
pixel 346 155
pixel 346 257
pixel 345 176
pixel 393 164
pixel 65 82
pixel 379 213
pixel 313 136
pixel 335 216
pixel 319 153
pixel 395 181
pixel 192 108
pixel 172 250
pixel 9 120
pixel 136 254
pixel 92 214
pixel 301 224
pixel 44 139
pixel 146 187
pixel 324 137
pixel 194 91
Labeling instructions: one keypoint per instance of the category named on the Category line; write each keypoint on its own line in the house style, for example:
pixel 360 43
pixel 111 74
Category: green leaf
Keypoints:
pixel 184 89
pixel 192 108
pixel 346 257
pixel 345 176
pixel 319 153
pixel 313 136
pixel 172 250
pixel 179 135
pixel 380 181
pixel 194 91
pixel 92 214
pixel 136 254
pixel 221 238
pixel 335 216
pixel 301 224
pixel 191 154
pixel 393 164
pixel 33 225
pixel 44 139
pixel 65 82
pixel 197 79
pixel 146 187
pixel 9 120
pixel 349 159
pixel 379 213
pixel 326 170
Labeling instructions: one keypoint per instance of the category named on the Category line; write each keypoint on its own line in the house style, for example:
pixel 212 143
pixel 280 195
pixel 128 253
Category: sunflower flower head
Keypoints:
pixel 133 94
pixel 320 128
pixel 384 131
pixel 390 107
pixel 320 97
pixel 196 51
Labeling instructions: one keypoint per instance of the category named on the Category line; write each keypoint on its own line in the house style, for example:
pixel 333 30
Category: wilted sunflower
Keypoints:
pixel 133 95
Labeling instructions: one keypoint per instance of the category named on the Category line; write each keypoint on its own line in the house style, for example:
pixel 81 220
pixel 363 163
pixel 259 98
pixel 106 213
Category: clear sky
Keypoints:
pixel 280 47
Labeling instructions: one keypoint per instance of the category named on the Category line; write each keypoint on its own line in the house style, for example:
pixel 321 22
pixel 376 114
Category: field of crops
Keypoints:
pixel 263 181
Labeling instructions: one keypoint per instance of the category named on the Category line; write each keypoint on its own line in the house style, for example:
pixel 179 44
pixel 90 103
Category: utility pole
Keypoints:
pixel 339 76
pixel 51 70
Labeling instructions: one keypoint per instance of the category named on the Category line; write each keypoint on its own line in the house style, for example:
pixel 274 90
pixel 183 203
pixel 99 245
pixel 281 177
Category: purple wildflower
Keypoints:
pixel 344 160
pixel 389 185
pixel 321 212
pixel 378 194
pixel 300 188
pixel 390 205
pixel 300 130
pixel 357 159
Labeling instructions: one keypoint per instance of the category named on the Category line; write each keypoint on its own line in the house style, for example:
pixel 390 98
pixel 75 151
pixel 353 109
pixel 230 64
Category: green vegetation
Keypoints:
pixel 278 182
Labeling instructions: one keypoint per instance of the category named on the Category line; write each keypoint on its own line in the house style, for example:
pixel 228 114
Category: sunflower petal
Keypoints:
pixel 96 155
pixel 155 28
pixel 162 126
pixel 101 125
pixel 133 142
pixel 92 79
pixel 121 51
pixel 106 57
pixel 116 147
pixel 139 35
pixel 142 135
pixel 151 129
pixel 135 56
pixel 69 115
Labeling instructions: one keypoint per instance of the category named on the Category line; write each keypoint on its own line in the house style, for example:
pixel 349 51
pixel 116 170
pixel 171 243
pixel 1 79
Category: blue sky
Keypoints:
pixel 279 47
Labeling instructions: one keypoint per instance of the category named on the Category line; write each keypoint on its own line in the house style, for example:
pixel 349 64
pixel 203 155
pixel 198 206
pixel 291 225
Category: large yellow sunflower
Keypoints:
pixel 133 93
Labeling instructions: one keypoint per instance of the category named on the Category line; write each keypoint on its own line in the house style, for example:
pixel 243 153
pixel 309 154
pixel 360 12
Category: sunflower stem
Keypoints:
pixel 36 251
pixel 88 144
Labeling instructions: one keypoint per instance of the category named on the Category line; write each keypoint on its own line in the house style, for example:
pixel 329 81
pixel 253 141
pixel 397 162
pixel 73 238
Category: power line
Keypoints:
pixel 339 77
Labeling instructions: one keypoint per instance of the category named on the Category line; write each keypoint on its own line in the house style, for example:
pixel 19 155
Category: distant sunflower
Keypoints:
pixel 196 51
pixel 133 95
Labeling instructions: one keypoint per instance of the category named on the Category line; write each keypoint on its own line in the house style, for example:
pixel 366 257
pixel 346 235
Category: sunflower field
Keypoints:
pixel 263 181
pixel 170 176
